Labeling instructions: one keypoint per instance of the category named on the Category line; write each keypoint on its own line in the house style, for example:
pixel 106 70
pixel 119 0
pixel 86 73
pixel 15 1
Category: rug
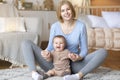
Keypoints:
pixel 101 73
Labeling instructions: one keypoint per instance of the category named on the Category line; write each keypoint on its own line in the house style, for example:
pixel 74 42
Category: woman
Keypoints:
pixel 76 36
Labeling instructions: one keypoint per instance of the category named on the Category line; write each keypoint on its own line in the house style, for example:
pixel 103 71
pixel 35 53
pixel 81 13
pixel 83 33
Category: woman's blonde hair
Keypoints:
pixel 58 11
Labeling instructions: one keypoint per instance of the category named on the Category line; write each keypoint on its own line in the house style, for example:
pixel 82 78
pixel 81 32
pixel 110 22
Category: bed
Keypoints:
pixel 103 26
pixel 13 31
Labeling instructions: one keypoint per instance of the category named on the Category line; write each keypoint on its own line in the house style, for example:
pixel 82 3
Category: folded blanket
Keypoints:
pixel 108 38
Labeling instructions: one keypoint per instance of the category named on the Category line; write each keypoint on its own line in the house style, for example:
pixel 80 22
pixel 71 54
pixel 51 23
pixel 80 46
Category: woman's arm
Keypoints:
pixel 83 42
pixel 52 34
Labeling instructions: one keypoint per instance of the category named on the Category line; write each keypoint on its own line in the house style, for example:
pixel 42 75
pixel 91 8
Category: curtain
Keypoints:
pixel 81 3
pixel 8 9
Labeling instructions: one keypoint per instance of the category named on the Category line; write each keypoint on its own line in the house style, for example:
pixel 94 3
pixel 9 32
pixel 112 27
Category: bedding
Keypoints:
pixel 12 24
pixel 10 46
pixel 2 24
pixel 29 28
pixel 103 26
pixel 107 38
pixel 97 21
pixel 112 18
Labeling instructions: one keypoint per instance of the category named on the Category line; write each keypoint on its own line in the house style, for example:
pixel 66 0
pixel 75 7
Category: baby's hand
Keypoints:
pixel 45 54
pixel 74 57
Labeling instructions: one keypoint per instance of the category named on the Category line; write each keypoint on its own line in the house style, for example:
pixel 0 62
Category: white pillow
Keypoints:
pixel 2 24
pixel 84 19
pixel 14 24
pixel 97 21
pixel 11 24
pixel 112 19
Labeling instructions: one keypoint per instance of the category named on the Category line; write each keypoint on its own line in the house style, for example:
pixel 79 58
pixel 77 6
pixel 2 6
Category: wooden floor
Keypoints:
pixel 112 61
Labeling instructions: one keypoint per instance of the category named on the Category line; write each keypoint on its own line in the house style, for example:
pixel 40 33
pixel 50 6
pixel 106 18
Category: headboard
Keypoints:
pixel 96 10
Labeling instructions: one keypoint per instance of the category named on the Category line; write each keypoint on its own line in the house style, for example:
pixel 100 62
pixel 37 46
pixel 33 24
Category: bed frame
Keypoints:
pixel 96 10
pixel 107 38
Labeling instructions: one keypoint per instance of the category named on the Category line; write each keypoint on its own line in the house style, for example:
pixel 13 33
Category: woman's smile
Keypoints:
pixel 66 12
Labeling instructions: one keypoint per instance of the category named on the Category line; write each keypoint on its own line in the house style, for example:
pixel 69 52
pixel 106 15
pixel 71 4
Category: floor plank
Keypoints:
pixel 113 60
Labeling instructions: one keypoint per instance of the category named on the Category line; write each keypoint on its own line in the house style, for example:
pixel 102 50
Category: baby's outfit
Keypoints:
pixel 61 62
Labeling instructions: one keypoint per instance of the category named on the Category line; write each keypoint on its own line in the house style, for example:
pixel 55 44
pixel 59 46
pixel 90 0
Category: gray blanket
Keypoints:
pixel 10 46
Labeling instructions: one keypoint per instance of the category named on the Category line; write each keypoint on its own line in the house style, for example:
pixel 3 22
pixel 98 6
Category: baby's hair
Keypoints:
pixel 60 36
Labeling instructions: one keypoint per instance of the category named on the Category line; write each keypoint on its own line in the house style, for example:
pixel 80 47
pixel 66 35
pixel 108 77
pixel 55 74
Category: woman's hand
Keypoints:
pixel 74 57
pixel 46 55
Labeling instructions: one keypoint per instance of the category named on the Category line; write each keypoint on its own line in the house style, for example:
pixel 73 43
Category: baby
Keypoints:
pixel 59 56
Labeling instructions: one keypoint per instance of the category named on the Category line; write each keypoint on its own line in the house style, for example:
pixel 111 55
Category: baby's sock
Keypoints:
pixel 43 74
pixel 72 77
pixel 37 76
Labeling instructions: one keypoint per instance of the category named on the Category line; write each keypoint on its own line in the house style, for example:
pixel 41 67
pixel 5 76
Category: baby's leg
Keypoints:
pixel 47 74
pixel 66 72
pixel 50 73
pixel 62 72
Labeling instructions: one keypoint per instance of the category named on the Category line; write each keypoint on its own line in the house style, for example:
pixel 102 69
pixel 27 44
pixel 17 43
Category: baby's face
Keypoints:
pixel 58 44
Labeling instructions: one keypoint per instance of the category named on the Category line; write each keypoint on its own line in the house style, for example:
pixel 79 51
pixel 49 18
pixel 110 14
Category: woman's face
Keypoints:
pixel 66 12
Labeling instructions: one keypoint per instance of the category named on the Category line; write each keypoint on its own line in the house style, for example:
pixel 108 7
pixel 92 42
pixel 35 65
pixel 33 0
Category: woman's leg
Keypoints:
pixel 88 64
pixel 32 53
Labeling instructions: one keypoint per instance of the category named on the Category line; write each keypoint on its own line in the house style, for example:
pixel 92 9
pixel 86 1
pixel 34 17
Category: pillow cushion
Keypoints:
pixel 2 24
pixel 11 24
pixel 84 19
pixel 97 21
pixel 112 19
pixel 14 24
